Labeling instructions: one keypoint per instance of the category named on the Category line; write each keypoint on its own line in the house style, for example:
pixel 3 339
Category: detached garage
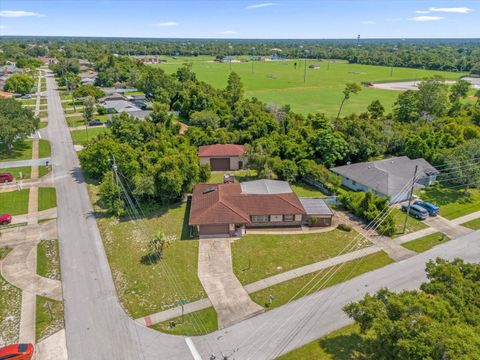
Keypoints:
pixel 222 157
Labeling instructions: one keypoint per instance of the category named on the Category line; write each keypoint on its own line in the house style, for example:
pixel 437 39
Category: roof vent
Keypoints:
pixel 212 189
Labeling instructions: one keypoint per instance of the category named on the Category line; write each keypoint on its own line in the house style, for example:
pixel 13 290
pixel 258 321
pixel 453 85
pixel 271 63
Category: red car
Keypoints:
pixel 17 352
pixel 5 219
pixel 6 177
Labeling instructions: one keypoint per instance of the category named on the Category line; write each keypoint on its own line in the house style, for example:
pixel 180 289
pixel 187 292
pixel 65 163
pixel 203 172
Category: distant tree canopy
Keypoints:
pixel 441 321
pixel 16 123
pixel 19 84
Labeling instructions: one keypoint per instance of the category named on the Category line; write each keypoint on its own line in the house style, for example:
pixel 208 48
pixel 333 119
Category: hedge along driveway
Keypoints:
pixel 259 256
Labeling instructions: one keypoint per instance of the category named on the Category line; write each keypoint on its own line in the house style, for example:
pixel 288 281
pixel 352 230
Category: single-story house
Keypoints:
pixel 389 178
pixel 228 209
pixel 48 60
pixel 88 77
pixel 222 157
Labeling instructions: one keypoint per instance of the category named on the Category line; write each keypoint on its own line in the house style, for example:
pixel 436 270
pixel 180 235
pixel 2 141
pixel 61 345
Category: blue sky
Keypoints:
pixel 243 19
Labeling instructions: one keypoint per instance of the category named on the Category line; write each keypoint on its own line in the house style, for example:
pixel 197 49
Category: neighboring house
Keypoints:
pixel 229 209
pixel 222 157
pixel 48 60
pixel 88 77
pixel 388 177
pixel 139 100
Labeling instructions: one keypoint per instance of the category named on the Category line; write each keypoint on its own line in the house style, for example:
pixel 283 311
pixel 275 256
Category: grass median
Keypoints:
pixel 48 259
pixel 14 202
pixel 47 198
pixel 194 324
pixel 49 317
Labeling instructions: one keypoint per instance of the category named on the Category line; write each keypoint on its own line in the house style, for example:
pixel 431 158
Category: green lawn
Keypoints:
pixel 412 223
pixel 24 171
pixel 453 202
pixel 44 149
pixel 281 83
pixel 47 198
pixel 28 101
pixel 42 124
pixel 4 252
pixel 22 150
pixel 42 114
pixel 48 261
pixel 240 176
pixel 81 137
pixel 474 224
pixel 197 323
pixel 342 344
pixel 148 288
pixel 10 305
pixel 304 190
pixel 259 256
pixel 14 202
pixel 69 104
pixel 294 289
pixel 49 317
pixel 78 120
pixel 426 243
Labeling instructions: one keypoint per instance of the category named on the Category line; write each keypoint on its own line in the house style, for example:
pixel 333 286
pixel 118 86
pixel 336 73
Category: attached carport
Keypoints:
pixel 318 214
pixel 219 164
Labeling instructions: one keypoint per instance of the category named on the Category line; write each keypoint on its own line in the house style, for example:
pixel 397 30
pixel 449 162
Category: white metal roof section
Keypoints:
pixel 263 187
pixel 315 206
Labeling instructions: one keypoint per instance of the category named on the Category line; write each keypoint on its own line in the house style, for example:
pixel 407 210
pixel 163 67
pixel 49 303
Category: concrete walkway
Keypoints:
pixel 447 227
pixel 52 348
pixel 466 218
pixel 19 163
pixel 215 271
pixel 261 284
pixel 291 231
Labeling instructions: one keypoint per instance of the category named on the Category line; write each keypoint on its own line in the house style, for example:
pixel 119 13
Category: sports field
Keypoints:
pixel 281 83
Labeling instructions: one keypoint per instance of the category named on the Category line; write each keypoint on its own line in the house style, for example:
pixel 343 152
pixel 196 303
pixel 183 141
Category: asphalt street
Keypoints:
pixel 98 328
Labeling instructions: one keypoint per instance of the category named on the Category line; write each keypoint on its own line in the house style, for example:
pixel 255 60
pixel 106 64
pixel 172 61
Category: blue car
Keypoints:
pixel 432 209
pixel 416 211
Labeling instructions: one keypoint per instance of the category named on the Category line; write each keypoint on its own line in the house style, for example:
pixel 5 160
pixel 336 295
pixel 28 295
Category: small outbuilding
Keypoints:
pixel 317 212
pixel 222 157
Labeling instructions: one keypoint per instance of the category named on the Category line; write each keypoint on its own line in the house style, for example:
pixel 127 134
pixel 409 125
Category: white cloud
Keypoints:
pixel 368 22
pixel 426 18
pixel 227 32
pixel 18 13
pixel 2 27
pixel 458 10
pixel 422 12
pixel 167 24
pixel 257 6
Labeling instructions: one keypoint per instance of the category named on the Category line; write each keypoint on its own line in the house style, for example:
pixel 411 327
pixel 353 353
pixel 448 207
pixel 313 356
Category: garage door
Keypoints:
pixel 213 229
pixel 218 164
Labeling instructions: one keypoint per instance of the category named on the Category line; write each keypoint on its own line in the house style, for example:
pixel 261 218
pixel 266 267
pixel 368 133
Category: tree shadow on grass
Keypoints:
pixel 18 148
pixel 344 347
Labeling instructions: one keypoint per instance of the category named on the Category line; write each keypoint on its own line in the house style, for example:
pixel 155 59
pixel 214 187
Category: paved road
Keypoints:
pixel 96 325
pixel 19 163
pixel 98 328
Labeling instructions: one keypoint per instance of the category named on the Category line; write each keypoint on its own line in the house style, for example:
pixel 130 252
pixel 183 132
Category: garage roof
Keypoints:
pixel 218 150
pixel 315 206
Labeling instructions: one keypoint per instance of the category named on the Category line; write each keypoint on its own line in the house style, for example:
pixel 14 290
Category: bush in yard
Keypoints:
pixel 320 174
pixel 344 227
pixel 19 83
pixel 111 195
pixel 101 110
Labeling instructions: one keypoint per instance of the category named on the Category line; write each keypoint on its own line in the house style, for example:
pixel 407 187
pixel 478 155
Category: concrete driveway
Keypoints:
pixel 229 298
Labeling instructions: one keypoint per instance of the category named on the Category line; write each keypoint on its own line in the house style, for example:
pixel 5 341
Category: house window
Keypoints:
pixel 287 218
pixel 260 218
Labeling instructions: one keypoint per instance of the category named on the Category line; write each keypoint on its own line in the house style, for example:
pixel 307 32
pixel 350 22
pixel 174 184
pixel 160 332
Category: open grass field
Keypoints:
pixel 259 256
pixel 280 82
pixel 147 288
pixel 14 202
pixel 426 243
pixel 307 284
pixel 452 201
pixel 10 305
pixel 198 323
pixel 342 344
pixel 47 198
pixel 81 137
pixel 48 322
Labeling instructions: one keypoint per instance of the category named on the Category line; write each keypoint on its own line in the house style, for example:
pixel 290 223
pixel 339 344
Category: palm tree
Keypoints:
pixel 350 88
pixel 157 244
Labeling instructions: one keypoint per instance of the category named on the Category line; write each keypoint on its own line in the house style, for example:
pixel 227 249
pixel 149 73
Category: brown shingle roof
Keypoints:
pixel 225 204
pixel 221 150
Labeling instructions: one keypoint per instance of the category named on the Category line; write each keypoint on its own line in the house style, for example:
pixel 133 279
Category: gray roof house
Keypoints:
pixel 388 177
